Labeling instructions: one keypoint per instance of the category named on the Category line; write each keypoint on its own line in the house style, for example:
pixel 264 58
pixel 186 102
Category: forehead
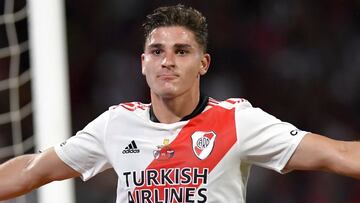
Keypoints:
pixel 169 36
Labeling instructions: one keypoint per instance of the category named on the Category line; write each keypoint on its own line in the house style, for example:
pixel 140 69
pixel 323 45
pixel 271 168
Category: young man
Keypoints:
pixel 184 146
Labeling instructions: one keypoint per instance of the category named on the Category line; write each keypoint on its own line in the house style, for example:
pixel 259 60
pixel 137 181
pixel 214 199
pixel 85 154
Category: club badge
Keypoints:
pixel 163 152
pixel 203 143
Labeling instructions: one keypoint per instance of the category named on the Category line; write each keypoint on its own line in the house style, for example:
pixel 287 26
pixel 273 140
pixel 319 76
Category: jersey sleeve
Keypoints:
pixel 85 151
pixel 265 140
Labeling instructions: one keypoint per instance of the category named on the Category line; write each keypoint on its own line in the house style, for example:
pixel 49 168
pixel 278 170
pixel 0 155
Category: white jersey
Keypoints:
pixel 204 159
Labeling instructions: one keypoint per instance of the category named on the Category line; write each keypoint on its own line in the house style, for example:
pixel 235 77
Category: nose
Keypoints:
pixel 168 61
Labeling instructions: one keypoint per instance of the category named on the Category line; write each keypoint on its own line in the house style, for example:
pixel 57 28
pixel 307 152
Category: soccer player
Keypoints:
pixel 184 146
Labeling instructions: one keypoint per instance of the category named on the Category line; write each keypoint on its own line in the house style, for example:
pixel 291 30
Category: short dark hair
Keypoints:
pixel 178 15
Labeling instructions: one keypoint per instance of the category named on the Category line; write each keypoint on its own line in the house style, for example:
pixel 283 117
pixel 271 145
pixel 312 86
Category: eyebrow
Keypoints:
pixel 182 46
pixel 177 46
pixel 155 46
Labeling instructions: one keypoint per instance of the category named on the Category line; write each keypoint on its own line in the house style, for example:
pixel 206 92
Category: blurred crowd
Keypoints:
pixel 298 60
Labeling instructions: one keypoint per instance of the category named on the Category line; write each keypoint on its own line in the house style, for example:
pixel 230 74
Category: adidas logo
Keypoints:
pixel 131 148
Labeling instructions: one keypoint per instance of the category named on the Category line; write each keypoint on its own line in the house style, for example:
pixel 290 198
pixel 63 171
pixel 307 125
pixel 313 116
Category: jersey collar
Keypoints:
pixel 199 108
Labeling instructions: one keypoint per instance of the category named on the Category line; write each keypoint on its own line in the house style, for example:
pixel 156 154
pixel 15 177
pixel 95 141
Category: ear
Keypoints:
pixel 142 64
pixel 205 64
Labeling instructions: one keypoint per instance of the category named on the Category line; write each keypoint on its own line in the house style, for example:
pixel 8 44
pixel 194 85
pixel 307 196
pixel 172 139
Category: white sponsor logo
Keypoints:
pixel 203 143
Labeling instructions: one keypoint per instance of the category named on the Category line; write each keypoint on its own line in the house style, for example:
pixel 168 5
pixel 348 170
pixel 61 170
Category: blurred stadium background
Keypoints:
pixel 296 59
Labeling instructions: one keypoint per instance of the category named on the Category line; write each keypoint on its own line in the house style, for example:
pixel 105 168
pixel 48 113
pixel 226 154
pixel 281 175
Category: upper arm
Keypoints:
pixel 316 152
pixel 47 167
pixel 264 140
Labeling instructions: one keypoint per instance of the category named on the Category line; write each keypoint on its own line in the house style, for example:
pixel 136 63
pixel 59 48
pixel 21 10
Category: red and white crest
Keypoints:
pixel 203 143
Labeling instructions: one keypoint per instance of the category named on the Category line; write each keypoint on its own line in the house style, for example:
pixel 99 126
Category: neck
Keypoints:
pixel 173 109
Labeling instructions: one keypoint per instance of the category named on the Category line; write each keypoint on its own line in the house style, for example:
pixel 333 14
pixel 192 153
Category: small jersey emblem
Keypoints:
pixel 294 132
pixel 163 152
pixel 203 143
pixel 131 148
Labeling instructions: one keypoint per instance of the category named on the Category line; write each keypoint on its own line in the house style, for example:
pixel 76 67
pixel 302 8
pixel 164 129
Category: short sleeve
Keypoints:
pixel 265 140
pixel 85 152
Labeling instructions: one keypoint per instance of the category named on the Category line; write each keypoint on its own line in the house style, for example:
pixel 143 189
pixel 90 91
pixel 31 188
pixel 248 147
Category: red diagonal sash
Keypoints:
pixel 218 120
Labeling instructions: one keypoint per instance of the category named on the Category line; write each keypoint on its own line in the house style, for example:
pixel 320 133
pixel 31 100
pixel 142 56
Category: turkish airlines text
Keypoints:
pixel 167 185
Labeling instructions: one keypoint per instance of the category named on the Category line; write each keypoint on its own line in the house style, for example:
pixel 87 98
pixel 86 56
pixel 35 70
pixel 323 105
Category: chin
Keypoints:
pixel 167 94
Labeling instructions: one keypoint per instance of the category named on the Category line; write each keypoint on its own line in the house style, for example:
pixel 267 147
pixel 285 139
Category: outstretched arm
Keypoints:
pixel 25 173
pixel 316 152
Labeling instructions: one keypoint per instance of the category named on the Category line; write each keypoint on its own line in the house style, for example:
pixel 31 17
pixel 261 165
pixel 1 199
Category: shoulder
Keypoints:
pixel 238 103
pixel 123 112
pixel 130 106
pixel 129 109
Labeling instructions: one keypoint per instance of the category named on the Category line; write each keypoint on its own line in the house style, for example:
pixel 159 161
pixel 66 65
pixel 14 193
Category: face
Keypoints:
pixel 173 61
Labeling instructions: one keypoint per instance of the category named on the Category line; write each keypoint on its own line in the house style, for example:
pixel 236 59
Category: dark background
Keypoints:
pixel 299 60
pixel 296 59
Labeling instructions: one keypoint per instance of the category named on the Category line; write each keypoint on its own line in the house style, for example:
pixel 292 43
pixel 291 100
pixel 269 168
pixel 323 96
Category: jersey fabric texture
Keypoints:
pixel 204 159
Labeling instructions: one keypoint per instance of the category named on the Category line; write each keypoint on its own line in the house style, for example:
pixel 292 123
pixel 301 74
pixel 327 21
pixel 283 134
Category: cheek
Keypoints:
pixel 193 70
pixel 147 66
pixel 143 69
pixel 194 66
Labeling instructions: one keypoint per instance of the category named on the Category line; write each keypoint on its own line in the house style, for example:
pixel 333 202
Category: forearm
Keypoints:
pixel 348 160
pixel 25 173
pixel 14 180
pixel 317 152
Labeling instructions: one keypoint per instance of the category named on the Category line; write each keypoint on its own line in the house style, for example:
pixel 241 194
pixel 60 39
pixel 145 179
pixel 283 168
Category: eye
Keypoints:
pixel 181 52
pixel 156 52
